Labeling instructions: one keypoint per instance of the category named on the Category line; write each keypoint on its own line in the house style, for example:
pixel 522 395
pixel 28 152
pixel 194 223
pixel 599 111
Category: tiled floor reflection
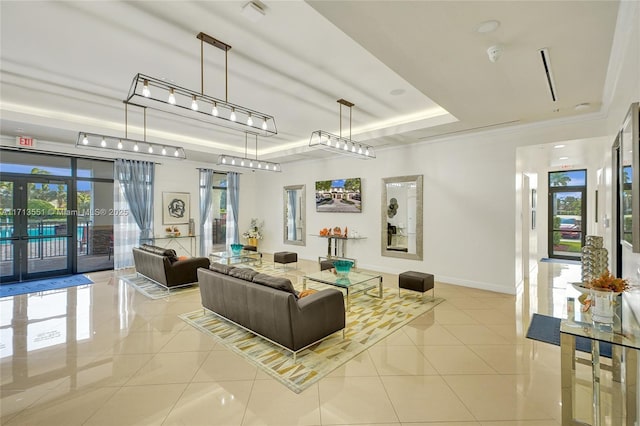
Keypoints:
pixel 106 355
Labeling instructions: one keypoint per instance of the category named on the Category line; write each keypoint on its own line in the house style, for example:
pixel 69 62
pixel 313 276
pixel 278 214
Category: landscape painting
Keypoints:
pixel 339 196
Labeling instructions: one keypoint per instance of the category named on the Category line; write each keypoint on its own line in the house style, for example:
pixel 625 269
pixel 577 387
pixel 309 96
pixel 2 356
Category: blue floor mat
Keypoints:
pixel 37 286
pixel 547 329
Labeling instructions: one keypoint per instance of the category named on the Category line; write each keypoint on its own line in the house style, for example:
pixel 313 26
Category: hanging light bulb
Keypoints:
pixel 214 110
pixel 194 103
pixel 366 152
pixel 233 161
pixel 346 146
pixel 164 151
pixel 328 140
pixel 172 97
pixel 176 153
pixel 145 89
pixel 224 160
pixel 135 147
pixel 119 144
pixel 232 117
pixel 242 163
pixel 337 143
pixel 360 149
pixel 353 148
pixel 103 143
pixel 249 120
pixel 150 150
pixel 250 163
pixel 259 165
pixel 264 124
pixel 85 140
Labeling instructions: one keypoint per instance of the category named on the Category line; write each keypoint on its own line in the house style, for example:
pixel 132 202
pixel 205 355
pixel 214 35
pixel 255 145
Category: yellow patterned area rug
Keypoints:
pixel 369 321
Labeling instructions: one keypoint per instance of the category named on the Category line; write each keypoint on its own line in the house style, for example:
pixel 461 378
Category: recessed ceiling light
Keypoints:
pixel 564 158
pixel 582 106
pixel 397 92
pixel 488 26
pixel 558 146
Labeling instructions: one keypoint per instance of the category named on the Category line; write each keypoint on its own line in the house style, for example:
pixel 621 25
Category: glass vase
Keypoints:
pixel 602 306
pixel 595 258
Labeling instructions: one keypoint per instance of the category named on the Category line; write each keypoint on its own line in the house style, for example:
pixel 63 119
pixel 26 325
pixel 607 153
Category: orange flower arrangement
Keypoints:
pixel 606 281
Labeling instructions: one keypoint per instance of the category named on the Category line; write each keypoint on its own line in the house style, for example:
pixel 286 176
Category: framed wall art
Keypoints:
pixel 175 208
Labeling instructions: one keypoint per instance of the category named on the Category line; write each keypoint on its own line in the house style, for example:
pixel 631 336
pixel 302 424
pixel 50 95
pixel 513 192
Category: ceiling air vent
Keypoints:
pixel 546 63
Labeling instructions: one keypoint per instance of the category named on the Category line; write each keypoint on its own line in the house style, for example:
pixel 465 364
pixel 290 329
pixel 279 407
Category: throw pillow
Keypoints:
pixel 306 292
pixel 221 268
pixel 246 274
pixel 278 283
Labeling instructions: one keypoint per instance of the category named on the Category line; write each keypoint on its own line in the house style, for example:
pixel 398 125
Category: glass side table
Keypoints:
pixel 624 359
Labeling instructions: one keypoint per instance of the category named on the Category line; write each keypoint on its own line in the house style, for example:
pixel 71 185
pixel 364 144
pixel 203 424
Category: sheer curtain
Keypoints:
pixel 293 213
pixel 135 188
pixel 126 233
pixel 233 191
pixel 206 201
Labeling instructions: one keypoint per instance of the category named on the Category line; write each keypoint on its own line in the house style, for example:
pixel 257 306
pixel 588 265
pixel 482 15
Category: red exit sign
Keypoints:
pixel 25 141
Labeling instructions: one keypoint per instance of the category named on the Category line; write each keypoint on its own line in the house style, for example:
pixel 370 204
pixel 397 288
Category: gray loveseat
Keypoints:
pixel 163 266
pixel 269 307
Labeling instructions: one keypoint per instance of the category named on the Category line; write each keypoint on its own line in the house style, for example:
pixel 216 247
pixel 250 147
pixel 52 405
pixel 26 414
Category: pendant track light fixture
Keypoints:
pixel 113 143
pixel 164 96
pixel 248 163
pixel 340 144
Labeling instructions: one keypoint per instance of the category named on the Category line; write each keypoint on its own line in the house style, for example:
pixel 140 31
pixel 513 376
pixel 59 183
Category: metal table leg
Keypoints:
pixel 567 374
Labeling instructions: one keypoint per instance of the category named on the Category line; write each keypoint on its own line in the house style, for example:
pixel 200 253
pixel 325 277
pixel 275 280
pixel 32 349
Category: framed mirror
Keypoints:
pixel 630 180
pixel 294 215
pixel 401 214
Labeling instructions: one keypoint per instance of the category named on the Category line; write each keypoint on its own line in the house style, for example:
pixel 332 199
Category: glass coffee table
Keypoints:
pixel 231 258
pixel 353 283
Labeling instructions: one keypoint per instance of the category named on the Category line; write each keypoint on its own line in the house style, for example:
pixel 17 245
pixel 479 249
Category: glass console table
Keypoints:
pixel 624 361
pixel 184 245
pixel 337 246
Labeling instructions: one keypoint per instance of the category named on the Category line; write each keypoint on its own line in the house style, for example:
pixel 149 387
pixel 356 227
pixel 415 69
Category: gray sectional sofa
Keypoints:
pixel 269 306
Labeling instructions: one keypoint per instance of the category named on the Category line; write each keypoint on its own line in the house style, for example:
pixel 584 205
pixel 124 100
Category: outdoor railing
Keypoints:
pixel 48 239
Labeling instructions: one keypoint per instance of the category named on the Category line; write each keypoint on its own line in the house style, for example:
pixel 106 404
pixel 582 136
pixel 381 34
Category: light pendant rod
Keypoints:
pixel 248 163
pixel 182 101
pixel 243 162
pixel 168 97
pixel 339 144
pixel 120 145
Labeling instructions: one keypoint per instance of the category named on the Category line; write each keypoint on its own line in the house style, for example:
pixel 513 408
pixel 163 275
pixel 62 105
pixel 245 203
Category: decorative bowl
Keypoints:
pixel 343 267
pixel 236 248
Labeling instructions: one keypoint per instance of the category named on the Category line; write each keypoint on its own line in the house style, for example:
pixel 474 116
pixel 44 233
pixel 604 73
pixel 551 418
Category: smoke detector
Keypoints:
pixel 494 52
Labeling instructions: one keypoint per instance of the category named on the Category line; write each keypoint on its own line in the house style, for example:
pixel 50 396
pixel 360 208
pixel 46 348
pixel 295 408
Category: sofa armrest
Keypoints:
pixel 185 271
pixel 318 315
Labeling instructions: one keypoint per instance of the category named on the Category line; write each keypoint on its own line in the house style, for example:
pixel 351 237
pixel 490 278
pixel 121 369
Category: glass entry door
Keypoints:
pixel 567 213
pixel 36 230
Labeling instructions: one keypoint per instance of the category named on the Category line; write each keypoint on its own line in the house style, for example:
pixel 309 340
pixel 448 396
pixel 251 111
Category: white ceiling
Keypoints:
pixel 67 66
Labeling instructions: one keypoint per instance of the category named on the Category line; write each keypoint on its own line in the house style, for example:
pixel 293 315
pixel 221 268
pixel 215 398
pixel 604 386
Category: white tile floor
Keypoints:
pixel 106 355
